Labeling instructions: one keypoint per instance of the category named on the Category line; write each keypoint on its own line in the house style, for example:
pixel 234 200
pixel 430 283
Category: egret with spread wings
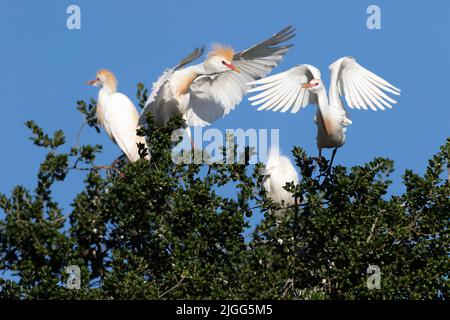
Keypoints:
pixel 302 85
pixel 205 92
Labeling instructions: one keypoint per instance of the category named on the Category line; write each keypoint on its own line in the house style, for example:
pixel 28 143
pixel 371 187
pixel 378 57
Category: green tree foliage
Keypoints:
pixel 161 230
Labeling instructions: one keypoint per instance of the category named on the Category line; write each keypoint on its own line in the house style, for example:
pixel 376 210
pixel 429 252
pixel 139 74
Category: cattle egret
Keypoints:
pixel 302 85
pixel 279 171
pixel 117 114
pixel 204 92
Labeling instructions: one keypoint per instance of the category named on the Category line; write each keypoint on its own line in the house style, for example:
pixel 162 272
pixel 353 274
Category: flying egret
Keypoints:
pixel 277 172
pixel 117 114
pixel 302 85
pixel 204 92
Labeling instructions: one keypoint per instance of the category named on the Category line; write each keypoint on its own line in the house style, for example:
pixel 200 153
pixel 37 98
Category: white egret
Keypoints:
pixel 117 114
pixel 302 85
pixel 279 171
pixel 204 92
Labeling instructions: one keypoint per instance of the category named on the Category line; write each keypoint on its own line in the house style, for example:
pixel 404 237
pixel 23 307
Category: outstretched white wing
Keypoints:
pixel 151 103
pixel 360 87
pixel 284 91
pixel 214 96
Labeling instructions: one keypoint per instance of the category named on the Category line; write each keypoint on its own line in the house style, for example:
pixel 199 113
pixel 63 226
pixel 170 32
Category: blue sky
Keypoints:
pixel 43 68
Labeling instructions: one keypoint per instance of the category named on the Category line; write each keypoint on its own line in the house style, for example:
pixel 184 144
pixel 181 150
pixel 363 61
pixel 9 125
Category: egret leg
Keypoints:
pixel 318 159
pixel 332 159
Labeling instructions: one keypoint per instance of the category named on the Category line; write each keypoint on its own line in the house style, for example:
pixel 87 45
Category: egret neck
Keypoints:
pixel 184 78
pixel 105 91
pixel 322 100
pixel 103 94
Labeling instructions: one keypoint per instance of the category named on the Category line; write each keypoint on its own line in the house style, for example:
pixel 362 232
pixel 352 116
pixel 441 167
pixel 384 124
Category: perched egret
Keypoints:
pixel 117 114
pixel 279 171
pixel 302 85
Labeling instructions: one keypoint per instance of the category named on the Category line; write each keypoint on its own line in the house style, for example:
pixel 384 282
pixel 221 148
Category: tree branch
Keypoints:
pixel 372 230
pixel 173 288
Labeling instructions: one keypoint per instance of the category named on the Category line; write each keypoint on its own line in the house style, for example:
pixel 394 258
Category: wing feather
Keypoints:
pixel 264 89
pixel 293 91
pixel 363 96
pixel 273 93
pixel 374 99
pixel 274 88
pixel 276 101
pixel 288 102
pixel 291 103
pixel 349 97
pixel 360 87
pixel 284 91
pixel 358 95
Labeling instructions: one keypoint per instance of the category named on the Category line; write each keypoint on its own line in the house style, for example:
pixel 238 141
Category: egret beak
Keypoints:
pixel 232 67
pixel 307 86
pixel 92 82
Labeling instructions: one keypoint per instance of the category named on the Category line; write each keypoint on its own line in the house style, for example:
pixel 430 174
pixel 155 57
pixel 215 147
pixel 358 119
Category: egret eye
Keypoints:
pixel 98 79
pixel 223 62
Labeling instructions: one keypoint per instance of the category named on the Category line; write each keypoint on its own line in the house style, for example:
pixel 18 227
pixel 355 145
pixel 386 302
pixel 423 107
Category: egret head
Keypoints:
pixel 220 60
pixel 314 85
pixel 105 79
